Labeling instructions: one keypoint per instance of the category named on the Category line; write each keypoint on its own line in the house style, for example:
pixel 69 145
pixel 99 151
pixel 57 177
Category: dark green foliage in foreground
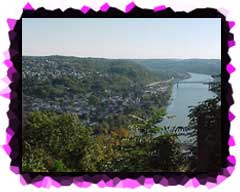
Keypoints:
pixel 48 139
pixel 205 121
pixel 60 143
pixel 121 138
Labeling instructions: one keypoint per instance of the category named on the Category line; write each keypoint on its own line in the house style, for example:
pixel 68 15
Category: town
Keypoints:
pixel 93 105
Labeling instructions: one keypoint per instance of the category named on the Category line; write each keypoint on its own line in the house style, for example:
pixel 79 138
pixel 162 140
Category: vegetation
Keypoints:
pixel 98 90
pixel 205 132
pixel 50 138
pixel 82 75
pixel 60 143
pixel 179 68
pixel 99 115
pixel 132 149
pixel 205 123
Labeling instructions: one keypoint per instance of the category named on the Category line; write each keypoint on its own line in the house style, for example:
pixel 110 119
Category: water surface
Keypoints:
pixel 185 95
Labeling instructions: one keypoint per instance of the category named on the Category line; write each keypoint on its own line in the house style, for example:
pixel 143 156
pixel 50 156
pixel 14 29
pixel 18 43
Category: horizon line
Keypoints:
pixel 93 57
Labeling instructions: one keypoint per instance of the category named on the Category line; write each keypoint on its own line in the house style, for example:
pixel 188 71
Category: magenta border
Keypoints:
pixel 47 181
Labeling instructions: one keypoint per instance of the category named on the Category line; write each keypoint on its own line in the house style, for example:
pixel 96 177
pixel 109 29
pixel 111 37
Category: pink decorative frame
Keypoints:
pixel 105 181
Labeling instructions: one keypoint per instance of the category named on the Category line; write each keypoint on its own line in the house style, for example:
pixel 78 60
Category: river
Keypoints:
pixel 185 95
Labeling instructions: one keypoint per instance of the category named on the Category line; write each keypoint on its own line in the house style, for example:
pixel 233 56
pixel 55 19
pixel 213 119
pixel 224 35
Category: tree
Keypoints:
pixel 70 146
pixel 62 136
pixel 205 120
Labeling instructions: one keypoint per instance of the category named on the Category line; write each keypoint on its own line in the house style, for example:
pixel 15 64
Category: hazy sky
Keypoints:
pixel 123 38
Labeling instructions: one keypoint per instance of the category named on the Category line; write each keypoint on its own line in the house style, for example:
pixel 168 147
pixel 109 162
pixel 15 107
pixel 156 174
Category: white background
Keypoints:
pixel 13 9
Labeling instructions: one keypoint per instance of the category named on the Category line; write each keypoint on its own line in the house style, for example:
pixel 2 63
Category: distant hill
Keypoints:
pixel 179 67
pixel 102 92
pixel 53 74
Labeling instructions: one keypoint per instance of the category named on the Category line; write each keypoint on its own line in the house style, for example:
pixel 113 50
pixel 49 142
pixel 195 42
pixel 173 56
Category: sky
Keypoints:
pixel 123 37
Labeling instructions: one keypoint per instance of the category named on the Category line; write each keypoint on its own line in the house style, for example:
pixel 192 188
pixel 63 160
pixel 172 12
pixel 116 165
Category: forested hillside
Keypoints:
pixel 102 115
pixel 81 75
pixel 179 67
pixel 103 111
pixel 102 92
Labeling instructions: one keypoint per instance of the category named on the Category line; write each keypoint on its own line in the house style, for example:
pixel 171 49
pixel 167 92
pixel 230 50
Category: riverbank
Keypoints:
pixel 184 96
pixel 182 77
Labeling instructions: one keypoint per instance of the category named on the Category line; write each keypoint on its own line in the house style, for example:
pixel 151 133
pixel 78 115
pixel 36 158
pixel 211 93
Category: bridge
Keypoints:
pixel 210 84
pixel 200 82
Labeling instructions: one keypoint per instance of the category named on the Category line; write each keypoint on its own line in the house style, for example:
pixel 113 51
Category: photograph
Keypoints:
pixel 121 95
